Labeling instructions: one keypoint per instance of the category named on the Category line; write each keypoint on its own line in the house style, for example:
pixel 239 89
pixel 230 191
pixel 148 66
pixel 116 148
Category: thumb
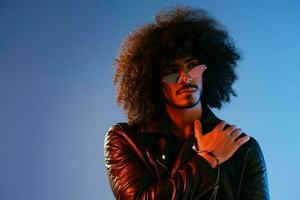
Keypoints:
pixel 198 129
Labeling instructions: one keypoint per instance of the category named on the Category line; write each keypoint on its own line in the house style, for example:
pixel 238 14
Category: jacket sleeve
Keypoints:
pixel 255 184
pixel 129 178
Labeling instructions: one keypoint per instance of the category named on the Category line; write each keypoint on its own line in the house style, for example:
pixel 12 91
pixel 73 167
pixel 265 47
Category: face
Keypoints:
pixel 182 82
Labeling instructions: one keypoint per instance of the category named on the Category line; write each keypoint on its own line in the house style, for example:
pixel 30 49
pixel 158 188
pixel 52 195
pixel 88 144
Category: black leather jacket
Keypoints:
pixel 144 165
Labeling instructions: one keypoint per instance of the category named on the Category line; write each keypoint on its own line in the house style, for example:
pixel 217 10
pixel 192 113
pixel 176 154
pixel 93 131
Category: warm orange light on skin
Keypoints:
pixel 182 119
pixel 173 94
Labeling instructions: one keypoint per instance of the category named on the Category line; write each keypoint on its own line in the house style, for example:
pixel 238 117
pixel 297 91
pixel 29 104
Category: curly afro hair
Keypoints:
pixel 176 32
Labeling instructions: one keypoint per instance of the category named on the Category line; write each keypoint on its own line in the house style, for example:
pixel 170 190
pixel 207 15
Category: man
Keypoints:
pixel 169 73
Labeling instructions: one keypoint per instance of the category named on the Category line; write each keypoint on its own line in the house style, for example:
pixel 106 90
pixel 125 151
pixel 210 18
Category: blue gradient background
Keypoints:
pixel 57 99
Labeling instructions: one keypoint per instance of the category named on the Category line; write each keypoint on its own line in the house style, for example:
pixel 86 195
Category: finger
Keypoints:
pixel 221 125
pixel 198 129
pixel 236 133
pixel 230 129
pixel 242 140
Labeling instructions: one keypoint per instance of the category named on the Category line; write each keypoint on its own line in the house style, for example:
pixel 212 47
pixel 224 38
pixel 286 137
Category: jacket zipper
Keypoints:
pixel 163 166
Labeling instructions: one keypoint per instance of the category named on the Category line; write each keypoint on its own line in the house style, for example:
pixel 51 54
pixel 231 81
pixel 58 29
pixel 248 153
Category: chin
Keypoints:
pixel 187 103
pixel 189 99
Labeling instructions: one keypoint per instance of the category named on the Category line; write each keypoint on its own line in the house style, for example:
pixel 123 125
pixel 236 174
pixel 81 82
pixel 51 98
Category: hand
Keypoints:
pixel 220 142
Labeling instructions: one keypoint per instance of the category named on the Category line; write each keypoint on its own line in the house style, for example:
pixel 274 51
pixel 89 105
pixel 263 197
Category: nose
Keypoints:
pixel 186 78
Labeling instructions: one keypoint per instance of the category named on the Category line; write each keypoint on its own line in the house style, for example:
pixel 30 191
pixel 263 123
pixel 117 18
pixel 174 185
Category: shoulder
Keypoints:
pixel 113 131
pixel 120 128
pixel 252 144
pixel 118 133
pixel 254 148
pixel 252 151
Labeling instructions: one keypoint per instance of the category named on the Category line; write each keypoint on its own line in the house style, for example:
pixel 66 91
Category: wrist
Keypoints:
pixel 209 156
pixel 210 159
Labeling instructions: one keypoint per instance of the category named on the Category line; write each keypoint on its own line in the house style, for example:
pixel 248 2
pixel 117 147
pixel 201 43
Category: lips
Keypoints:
pixel 187 90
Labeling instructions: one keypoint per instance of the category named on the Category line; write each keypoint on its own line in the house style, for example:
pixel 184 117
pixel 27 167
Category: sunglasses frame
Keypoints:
pixel 179 78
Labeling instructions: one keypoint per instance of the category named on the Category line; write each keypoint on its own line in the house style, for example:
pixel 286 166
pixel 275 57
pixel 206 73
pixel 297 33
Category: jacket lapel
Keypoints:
pixel 170 149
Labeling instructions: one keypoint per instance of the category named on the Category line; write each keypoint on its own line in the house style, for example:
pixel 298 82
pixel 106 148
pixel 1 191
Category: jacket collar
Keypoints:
pixel 208 121
pixel 168 147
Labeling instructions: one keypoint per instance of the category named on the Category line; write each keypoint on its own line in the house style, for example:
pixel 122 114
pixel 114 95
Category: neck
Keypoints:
pixel 181 121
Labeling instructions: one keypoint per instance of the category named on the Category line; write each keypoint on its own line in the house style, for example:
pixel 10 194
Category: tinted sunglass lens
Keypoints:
pixel 171 78
pixel 194 73
pixel 197 71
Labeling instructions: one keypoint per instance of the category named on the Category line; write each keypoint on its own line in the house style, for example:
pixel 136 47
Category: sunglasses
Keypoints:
pixel 175 77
